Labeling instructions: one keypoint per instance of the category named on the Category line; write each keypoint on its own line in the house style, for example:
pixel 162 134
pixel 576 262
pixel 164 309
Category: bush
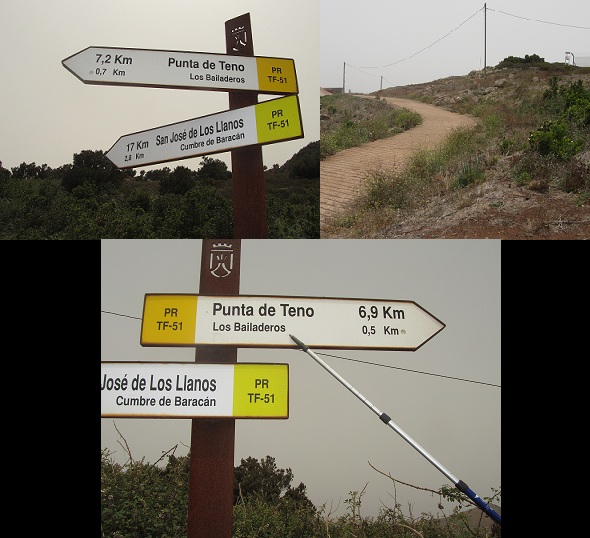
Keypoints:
pixel 92 167
pixel 349 121
pixel 469 174
pixel 555 138
pixel 91 199
pixel 140 500
pixel 562 135
pixel 528 61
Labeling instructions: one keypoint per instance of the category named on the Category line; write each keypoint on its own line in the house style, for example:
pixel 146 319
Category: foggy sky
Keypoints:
pixel 47 114
pixel 422 41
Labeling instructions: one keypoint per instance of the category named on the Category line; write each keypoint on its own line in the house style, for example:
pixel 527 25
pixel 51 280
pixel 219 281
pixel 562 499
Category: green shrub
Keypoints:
pixel 469 174
pixel 141 500
pixel 507 146
pixel 555 138
pixel 92 200
pixel 385 189
pixel 406 119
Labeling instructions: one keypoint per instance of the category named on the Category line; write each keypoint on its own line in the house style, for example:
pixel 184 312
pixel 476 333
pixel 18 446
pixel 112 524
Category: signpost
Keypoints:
pixel 271 121
pixel 211 476
pixel 248 191
pixel 242 130
pixel 215 390
pixel 190 390
pixel 267 321
pixel 183 70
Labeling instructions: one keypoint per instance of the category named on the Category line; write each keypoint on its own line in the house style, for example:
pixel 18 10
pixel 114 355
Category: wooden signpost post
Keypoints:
pixel 211 482
pixel 248 195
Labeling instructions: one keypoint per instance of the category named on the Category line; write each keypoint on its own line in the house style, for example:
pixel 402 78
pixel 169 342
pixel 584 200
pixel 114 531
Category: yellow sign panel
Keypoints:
pixel 169 320
pixel 261 390
pixel 278 119
pixel 276 75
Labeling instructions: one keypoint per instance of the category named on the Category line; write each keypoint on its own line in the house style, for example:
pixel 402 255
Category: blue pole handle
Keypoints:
pixel 464 488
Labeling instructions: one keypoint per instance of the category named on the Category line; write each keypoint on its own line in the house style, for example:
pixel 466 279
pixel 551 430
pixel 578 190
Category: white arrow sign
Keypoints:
pixel 257 321
pixel 188 70
pixel 188 390
pixel 264 123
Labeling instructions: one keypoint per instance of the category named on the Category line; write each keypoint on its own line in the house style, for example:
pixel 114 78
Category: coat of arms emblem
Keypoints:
pixel 240 38
pixel 221 260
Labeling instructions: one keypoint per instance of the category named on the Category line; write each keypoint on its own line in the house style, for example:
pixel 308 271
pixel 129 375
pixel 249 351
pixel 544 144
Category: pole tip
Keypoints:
pixel 299 342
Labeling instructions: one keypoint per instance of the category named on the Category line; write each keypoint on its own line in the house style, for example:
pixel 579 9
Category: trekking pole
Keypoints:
pixel 459 484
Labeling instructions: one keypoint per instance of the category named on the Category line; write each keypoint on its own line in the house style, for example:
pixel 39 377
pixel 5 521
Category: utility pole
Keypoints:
pixel 484 38
pixel 343 78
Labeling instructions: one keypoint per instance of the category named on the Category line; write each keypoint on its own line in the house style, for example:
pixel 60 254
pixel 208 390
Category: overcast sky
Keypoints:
pixel 47 114
pixel 425 40
pixel 445 395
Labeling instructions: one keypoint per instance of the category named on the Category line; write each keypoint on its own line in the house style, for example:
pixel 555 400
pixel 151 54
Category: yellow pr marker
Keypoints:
pixel 169 320
pixel 278 119
pixel 276 75
pixel 261 390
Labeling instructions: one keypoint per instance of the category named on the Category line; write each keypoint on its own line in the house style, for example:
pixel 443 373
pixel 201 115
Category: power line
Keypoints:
pixel 355 360
pixel 538 20
pixel 359 68
pixel 422 50
pixel 123 315
pixel 408 370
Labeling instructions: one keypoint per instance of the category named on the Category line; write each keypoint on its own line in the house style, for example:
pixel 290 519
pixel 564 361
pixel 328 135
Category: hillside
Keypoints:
pixel 510 190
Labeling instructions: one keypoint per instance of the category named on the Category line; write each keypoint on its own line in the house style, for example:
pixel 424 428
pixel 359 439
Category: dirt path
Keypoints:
pixel 343 174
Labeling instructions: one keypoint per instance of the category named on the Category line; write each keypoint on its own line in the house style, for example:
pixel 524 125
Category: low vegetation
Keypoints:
pixel 348 121
pixel 534 129
pixel 92 199
pixel 139 499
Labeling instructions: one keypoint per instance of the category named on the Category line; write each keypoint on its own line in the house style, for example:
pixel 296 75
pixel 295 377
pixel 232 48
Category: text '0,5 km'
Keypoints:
pixel 267 321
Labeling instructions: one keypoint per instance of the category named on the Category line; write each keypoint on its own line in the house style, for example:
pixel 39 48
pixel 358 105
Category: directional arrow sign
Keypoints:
pixel 259 321
pixel 187 70
pixel 189 390
pixel 271 121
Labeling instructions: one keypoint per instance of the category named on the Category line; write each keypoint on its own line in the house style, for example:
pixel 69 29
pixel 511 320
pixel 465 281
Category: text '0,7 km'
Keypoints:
pixel 267 321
